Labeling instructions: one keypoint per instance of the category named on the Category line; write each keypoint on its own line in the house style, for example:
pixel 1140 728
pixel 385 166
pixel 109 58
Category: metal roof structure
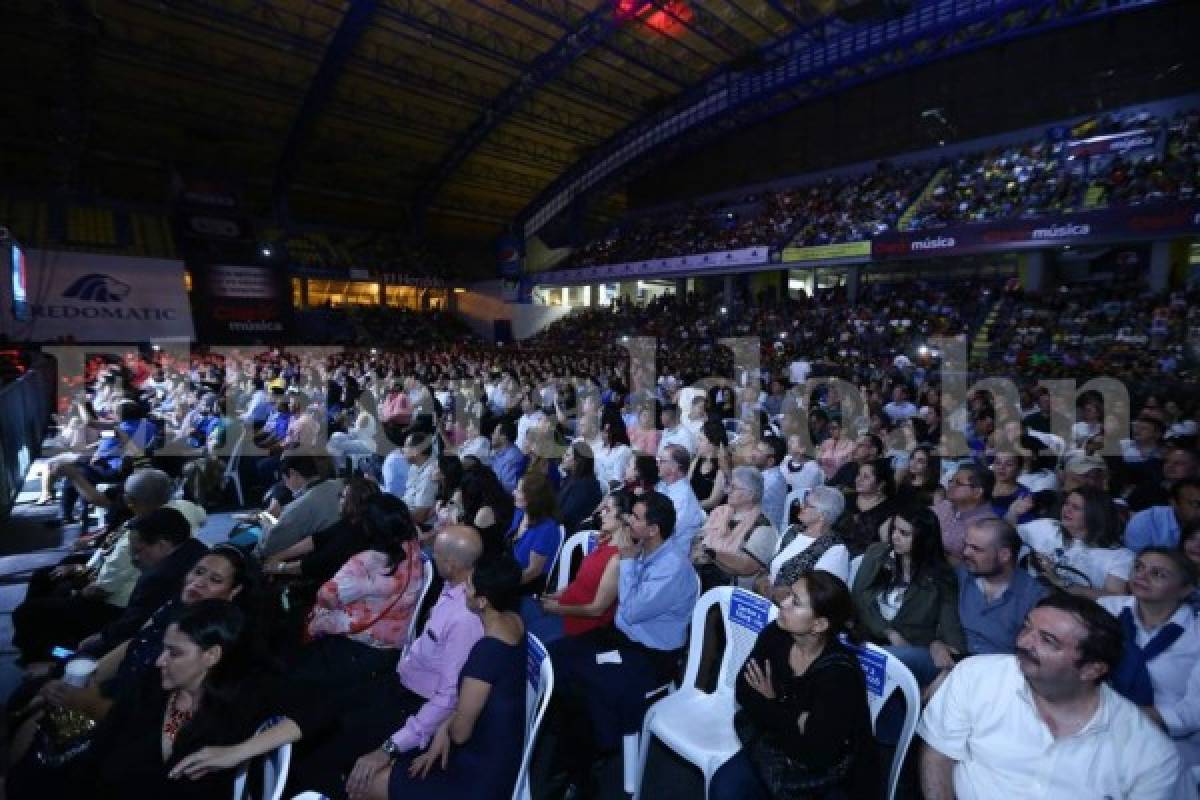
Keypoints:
pixel 456 117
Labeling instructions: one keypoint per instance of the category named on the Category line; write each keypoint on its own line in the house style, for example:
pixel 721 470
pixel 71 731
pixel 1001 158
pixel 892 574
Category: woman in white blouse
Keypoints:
pixel 614 453
pixel 1081 553
pixel 1158 620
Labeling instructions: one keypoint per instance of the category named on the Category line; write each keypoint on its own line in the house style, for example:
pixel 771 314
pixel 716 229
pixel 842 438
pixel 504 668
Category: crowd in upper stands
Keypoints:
pixel 1032 566
pixel 1022 179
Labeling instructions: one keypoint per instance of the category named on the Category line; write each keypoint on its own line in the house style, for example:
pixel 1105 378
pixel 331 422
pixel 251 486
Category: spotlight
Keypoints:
pixel 724 310
pixel 266 251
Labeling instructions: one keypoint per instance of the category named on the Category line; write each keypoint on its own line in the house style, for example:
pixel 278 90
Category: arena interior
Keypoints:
pixel 538 399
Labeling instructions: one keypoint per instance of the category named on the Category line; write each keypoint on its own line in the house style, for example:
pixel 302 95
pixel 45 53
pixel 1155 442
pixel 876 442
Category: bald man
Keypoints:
pixel 388 717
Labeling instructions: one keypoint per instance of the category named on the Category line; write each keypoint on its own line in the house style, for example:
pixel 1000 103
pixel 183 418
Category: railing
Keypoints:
pixel 25 406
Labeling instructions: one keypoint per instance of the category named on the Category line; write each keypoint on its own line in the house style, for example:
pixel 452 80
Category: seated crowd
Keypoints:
pixel 1040 587
pixel 1022 179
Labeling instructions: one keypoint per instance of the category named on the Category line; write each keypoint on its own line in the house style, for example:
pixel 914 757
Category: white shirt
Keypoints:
pixel 798 371
pixel 802 477
pixel 1045 536
pixel 1175 675
pixel 689 516
pixel 835 560
pixel 420 490
pixel 678 435
pixel 524 423
pixel 611 463
pixel 478 446
pixel 898 412
pixel 983 718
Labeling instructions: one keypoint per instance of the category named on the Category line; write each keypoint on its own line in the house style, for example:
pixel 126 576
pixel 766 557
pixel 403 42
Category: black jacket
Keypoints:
pixel 154 588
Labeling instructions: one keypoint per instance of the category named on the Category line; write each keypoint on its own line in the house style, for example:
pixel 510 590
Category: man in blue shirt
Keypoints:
pixel 994 594
pixel 508 462
pixel 605 675
pixel 1160 526
pixel 689 516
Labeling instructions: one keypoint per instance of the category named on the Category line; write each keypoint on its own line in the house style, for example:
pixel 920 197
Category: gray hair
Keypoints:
pixel 827 501
pixel 151 488
pixel 751 479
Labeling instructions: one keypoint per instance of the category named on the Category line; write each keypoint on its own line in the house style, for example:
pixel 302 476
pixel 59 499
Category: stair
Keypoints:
pixel 926 193
pixel 982 343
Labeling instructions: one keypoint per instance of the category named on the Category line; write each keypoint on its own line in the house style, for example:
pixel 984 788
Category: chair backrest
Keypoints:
pixel 885 674
pixel 275 766
pixel 855 563
pixel 580 544
pixel 792 499
pixel 425 603
pixel 235 454
pixel 743 616
pixel 538 689
pixel 562 536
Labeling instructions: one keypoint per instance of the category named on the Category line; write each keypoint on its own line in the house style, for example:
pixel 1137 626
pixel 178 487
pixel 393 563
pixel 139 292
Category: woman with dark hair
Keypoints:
pixel 1007 490
pixel 476 753
pixel 589 601
pixel 869 508
pixel 906 594
pixel 207 692
pixel 448 475
pixel 709 472
pixel 641 475
pixel 580 492
pixel 225 573
pixel 804 723
pixel 614 453
pixel 487 506
pixel 920 481
pixel 362 614
pixel 534 536
pixel 1081 552
pixel 319 556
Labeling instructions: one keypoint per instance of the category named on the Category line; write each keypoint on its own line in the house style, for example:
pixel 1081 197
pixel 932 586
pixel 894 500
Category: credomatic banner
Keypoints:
pixel 88 297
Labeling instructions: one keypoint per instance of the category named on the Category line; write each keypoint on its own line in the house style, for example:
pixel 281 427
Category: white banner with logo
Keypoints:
pixel 86 297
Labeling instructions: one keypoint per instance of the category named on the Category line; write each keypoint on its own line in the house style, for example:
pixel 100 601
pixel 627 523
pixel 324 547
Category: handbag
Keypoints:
pixel 62 735
pixel 785 777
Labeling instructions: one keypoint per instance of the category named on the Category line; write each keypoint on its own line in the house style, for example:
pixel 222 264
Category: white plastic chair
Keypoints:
pixel 538 689
pixel 855 563
pixel 231 468
pixel 582 542
pixel 274 765
pixel 792 499
pixel 886 673
pixel 695 724
pixel 562 535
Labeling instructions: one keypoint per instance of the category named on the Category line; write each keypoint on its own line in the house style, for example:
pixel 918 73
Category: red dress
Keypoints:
pixel 582 591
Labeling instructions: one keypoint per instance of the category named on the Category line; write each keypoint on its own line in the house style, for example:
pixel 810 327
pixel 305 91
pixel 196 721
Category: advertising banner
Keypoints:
pixel 86 297
pixel 1116 143
pixel 1127 223
pixel 827 252
pixel 659 267
pixel 242 303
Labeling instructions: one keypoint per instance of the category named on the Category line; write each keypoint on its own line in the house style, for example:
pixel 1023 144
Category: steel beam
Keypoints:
pixel 354 24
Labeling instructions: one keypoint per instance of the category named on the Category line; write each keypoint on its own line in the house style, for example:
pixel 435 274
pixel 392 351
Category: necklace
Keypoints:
pixel 176 718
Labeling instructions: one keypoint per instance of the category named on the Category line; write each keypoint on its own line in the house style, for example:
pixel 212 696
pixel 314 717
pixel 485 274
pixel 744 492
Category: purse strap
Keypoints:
pixel 357 629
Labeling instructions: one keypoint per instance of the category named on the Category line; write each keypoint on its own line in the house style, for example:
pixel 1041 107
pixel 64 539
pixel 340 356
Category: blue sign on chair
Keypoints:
pixel 874 667
pixel 533 663
pixel 748 610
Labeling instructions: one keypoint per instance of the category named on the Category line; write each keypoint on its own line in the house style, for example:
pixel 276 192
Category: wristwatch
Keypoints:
pixel 389 748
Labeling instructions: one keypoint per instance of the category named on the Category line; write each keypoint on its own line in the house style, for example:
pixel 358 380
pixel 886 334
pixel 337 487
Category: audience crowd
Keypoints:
pixel 1022 179
pixel 1039 585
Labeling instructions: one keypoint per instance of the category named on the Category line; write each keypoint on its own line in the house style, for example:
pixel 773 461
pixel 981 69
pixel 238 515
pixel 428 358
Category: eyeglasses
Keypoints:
pixel 967 484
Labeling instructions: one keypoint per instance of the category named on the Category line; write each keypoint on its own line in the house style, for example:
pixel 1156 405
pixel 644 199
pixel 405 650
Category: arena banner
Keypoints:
pixel 238 304
pixel 1127 223
pixel 86 297
pixel 827 252
pixel 660 267
pixel 1114 143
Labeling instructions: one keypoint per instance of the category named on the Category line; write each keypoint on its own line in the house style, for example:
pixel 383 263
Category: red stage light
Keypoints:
pixel 668 17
